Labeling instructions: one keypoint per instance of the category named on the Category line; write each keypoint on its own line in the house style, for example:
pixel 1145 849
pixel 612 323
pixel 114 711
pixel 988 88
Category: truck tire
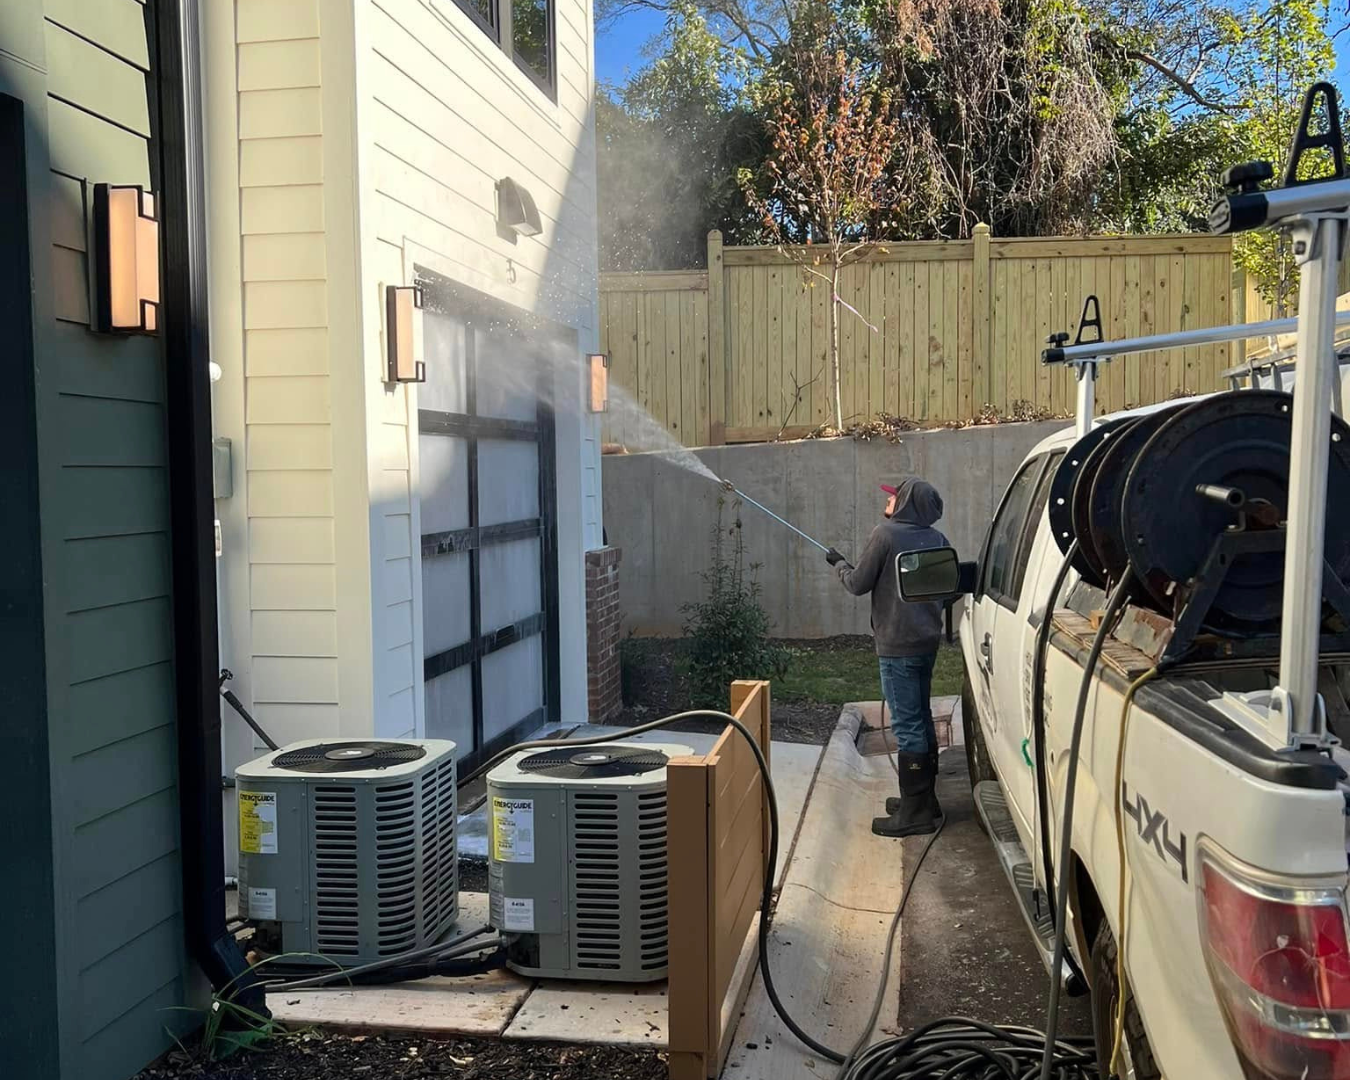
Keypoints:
pixel 1139 1063
pixel 977 754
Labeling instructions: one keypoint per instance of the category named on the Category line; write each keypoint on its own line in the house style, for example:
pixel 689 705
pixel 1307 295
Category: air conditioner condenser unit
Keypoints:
pixel 577 866
pixel 347 850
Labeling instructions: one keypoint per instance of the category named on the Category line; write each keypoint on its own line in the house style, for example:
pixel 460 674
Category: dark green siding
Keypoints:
pixel 101 439
pixel 29 1037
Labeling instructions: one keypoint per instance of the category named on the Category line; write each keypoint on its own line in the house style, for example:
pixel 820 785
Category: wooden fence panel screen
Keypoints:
pixel 931 331
pixel 718 836
pixel 655 329
pixel 1145 285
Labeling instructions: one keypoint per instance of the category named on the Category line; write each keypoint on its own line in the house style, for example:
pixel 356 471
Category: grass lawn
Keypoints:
pixel 846 670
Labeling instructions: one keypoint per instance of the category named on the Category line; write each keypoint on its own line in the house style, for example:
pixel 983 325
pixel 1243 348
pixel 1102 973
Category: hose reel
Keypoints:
pixel 1192 498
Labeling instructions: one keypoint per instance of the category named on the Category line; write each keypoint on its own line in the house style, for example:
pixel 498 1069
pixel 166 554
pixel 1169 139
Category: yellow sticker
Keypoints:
pixel 512 830
pixel 258 822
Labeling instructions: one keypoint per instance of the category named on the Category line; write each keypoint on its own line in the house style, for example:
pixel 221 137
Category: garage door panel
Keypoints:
pixel 508 377
pixel 488 545
pixel 513 686
pixel 444 483
pixel 449 705
pixel 445 602
pixel 444 350
pixel 508 481
pixel 511 582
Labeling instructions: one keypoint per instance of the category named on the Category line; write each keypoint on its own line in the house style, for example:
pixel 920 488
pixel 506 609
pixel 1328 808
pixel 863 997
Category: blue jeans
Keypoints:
pixel 907 683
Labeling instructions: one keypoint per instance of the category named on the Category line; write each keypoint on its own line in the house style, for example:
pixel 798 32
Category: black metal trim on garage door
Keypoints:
pixel 456 300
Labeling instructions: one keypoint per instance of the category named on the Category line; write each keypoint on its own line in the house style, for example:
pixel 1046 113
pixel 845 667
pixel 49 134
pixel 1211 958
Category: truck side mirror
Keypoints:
pixel 932 574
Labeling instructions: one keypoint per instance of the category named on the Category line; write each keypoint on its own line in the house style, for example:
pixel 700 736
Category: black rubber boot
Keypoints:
pixel 893 803
pixel 913 816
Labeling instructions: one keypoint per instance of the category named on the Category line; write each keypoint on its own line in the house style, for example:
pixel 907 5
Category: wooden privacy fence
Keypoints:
pixel 718 836
pixel 936 330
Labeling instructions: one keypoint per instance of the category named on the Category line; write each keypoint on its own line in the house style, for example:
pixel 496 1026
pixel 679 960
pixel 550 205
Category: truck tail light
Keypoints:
pixel 1279 958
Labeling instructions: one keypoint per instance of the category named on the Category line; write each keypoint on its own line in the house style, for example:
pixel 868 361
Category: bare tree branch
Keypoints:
pixel 1111 47
pixel 1180 82
pixel 797 388
pixel 758 35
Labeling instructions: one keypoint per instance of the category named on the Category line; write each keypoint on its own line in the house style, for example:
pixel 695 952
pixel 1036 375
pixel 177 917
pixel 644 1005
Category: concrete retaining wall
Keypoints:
pixel 663 517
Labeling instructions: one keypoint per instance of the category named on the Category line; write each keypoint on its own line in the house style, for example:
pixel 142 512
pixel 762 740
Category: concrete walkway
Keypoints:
pixel 833 915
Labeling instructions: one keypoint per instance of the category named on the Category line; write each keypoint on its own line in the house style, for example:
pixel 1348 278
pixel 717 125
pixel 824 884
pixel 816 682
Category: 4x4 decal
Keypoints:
pixel 1153 829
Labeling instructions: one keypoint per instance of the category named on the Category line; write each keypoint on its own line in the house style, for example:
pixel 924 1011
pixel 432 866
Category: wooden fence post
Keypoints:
pixel 981 381
pixel 689 804
pixel 717 343
pixel 1238 288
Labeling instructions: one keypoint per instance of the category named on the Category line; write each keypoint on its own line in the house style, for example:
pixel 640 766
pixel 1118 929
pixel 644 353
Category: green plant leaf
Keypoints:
pixel 231 1042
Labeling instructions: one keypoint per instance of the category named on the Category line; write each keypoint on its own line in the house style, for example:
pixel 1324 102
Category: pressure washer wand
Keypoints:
pixel 810 540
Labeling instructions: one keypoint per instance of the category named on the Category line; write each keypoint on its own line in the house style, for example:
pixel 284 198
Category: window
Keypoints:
pixel 1009 546
pixel 532 36
pixel 484 12
pixel 524 30
pixel 1033 522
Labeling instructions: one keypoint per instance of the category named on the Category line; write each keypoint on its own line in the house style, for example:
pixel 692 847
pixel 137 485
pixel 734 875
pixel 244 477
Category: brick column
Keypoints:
pixel 604 691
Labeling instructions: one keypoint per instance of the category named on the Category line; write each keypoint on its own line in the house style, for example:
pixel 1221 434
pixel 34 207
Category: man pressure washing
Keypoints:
pixel 907 636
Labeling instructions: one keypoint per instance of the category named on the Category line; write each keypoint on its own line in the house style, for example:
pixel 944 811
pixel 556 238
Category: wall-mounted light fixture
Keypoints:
pixel 599 369
pixel 403 333
pixel 126 263
pixel 516 210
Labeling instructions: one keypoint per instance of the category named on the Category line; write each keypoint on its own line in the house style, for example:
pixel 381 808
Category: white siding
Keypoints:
pixel 393 539
pixel 288 451
pixel 443 115
pixel 285 610
pixel 449 115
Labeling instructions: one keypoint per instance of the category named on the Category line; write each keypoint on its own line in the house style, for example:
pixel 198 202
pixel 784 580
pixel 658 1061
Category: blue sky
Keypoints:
pixel 618 48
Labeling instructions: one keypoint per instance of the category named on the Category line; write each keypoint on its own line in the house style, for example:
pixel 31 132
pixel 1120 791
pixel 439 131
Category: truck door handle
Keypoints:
pixel 985 647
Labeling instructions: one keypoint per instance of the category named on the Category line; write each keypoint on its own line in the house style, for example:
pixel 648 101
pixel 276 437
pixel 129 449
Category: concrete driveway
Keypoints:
pixel 966 950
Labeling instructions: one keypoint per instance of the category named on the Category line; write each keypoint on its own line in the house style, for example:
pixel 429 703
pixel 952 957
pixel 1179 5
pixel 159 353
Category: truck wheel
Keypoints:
pixel 977 754
pixel 1136 1056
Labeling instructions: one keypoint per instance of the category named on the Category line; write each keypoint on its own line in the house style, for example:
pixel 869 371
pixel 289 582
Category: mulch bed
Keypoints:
pixel 320 1056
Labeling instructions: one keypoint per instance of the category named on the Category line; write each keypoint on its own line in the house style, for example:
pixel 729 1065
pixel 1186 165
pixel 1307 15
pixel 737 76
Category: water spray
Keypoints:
pixel 737 491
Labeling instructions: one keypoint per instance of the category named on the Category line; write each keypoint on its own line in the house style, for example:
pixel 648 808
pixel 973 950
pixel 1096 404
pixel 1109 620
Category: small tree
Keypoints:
pixel 830 172
pixel 728 629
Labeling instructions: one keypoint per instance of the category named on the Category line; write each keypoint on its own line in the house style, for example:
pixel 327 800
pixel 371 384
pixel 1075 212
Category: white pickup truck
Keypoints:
pixel 1165 589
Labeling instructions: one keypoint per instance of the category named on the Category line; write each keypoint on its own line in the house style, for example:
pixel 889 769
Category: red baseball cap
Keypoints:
pixel 889 490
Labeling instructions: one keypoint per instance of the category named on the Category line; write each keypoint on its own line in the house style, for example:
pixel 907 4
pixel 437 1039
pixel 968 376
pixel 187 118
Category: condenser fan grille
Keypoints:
pixel 345 757
pixel 594 762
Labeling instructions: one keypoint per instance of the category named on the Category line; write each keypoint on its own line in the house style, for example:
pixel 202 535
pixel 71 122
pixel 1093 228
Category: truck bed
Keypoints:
pixel 1183 700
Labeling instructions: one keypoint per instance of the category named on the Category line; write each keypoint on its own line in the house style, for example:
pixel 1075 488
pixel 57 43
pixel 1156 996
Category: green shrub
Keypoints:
pixel 728 630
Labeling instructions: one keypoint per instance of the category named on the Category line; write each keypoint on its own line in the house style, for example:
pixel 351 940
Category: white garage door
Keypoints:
pixel 489 523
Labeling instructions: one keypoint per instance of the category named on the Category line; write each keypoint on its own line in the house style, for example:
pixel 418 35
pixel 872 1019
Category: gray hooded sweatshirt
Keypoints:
pixel 899 627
